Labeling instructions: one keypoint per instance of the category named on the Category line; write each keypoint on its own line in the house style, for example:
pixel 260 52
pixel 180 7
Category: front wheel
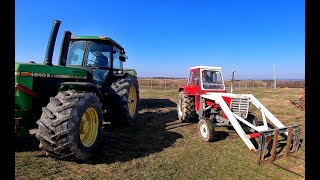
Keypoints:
pixel 70 126
pixel 206 129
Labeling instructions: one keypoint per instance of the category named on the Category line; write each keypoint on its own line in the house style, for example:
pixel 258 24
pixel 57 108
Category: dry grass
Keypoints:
pixel 159 147
pixel 242 84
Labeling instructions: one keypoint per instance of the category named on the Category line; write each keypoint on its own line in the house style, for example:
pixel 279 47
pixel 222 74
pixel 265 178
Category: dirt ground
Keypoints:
pixel 159 147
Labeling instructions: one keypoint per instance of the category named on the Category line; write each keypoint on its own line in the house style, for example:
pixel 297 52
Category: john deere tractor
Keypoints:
pixel 64 105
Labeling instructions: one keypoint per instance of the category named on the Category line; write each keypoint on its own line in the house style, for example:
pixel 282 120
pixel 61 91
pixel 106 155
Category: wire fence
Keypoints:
pixel 165 84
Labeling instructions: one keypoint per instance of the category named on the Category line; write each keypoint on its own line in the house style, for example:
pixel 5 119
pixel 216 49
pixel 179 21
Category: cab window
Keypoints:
pixel 117 64
pixel 196 78
pixel 76 53
pixel 190 78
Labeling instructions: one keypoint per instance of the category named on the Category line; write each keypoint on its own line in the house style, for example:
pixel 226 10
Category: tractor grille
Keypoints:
pixel 240 106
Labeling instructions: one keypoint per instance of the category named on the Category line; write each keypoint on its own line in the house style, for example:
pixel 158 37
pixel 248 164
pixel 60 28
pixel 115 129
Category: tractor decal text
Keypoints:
pixel 34 74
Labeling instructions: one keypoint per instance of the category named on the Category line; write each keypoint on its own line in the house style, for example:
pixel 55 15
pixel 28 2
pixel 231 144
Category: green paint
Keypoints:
pixel 131 72
pixel 24 102
pixel 40 68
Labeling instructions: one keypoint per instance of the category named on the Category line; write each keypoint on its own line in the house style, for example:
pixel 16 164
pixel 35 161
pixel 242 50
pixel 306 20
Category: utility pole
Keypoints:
pixel 275 79
pixel 232 78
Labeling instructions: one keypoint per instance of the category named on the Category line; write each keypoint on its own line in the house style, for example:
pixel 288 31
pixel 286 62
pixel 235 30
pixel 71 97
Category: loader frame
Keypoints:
pixel 265 132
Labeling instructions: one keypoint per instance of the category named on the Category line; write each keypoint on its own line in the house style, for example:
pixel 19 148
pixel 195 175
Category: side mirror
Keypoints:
pixel 122 58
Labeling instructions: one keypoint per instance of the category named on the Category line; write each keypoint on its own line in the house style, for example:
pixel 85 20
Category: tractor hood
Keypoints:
pixel 40 70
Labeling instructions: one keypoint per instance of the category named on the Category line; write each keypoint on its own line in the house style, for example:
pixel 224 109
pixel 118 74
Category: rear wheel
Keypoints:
pixel 206 130
pixel 186 108
pixel 127 89
pixel 70 126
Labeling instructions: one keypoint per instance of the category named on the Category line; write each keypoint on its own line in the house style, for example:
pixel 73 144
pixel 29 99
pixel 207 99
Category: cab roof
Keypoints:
pixel 206 67
pixel 104 38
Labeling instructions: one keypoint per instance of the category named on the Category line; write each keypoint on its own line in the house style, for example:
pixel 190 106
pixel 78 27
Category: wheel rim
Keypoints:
pixel 204 130
pixel 132 101
pixel 89 127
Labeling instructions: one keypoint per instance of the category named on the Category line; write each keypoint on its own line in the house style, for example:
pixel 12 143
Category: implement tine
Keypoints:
pixel 261 148
pixel 296 140
pixel 288 146
pixel 292 144
pixel 274 145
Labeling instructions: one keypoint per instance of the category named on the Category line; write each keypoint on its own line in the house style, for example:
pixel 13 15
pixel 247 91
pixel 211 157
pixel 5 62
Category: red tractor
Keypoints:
pixel 205 98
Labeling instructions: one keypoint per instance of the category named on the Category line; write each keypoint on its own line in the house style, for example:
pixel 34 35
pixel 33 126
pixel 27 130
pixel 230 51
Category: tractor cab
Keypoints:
pixel 205 79
pixel 98 54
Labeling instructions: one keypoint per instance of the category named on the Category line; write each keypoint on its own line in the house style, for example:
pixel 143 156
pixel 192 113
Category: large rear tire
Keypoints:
pixel 70 126
pixel 127 88
pixel 206 129
pixel 186 108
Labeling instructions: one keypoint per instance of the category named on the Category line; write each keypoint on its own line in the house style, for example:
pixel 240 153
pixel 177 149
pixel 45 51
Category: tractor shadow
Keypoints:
pixel 26 144
pixel 148 136
pixel 219 136
pixel 156 104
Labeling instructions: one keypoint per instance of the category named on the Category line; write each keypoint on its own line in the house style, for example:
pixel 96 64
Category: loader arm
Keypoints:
pixel 217 97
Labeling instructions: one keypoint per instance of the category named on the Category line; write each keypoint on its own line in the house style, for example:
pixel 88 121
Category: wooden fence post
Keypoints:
pixel 165 84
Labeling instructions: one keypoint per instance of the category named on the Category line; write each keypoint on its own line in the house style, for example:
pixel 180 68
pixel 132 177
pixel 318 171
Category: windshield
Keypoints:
pixel 98 54
pixel 212 79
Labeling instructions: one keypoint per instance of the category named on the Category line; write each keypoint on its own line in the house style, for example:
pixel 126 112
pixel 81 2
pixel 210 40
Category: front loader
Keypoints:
pixel 65 105
pixel 205 98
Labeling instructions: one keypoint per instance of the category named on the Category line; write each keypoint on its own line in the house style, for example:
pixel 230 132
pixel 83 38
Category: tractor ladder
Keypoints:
pixel 237 113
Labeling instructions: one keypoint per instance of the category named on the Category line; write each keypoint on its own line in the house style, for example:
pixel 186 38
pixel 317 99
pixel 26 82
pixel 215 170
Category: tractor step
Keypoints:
pixel 291 135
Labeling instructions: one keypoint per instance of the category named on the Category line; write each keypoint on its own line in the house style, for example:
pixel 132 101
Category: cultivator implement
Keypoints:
pixel 283 138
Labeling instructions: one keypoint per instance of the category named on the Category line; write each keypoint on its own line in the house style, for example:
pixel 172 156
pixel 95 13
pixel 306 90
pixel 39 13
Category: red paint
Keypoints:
pixel 228 101
pixel 209 102
pixel 254 135
pixel 25 90
pixel 193 88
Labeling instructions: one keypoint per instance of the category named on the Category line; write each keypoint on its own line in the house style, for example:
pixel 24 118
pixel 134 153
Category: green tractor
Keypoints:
pixel 65 105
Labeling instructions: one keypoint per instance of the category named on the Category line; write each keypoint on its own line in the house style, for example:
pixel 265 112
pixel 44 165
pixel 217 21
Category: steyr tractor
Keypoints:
pixel 205 99
pixel 65 105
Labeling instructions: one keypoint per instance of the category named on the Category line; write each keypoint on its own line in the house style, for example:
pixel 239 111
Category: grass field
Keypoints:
pixel 159 147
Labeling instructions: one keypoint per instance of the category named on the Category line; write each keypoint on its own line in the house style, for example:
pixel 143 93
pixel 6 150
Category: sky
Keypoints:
pixel 164 38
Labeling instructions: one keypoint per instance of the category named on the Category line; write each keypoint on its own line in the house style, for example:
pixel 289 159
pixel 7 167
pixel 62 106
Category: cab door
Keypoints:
pixel 194 88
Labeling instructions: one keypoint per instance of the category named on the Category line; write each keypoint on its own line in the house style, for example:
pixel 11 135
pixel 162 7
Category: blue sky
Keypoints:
pixel 167 37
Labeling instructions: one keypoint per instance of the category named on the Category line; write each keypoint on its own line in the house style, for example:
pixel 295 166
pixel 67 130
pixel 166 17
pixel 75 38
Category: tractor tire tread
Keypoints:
pixel 121 87
pixel 59 136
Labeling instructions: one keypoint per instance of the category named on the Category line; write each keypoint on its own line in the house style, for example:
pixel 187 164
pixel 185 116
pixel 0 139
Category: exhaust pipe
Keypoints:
pixel 64 48
pixel 51 42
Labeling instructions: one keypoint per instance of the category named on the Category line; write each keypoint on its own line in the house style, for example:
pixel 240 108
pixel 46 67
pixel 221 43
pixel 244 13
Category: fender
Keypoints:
pixel 182 88
pixel 81 86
